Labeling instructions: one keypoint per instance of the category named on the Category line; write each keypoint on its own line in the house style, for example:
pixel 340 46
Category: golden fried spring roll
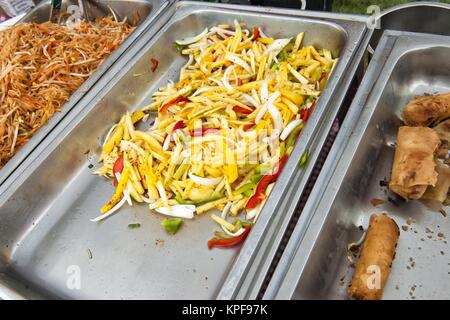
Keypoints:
pixel 427 110
pixel 443 131
pixel 375 262
pixel 414 167
pixel 439 192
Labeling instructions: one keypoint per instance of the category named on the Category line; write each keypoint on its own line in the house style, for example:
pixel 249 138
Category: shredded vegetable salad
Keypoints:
pixel 223 132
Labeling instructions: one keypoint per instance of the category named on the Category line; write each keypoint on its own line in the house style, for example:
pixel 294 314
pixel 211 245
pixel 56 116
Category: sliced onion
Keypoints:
pixel 264 91
pixel 108 134
pixel 251 213
pixel 250 99
pixel 262 34
pixel 289 128
pixel 238 61
pixel 180 211
pixel 202 89
pixel 198 44
pixel 147 200
pixel 190 40
pixel 191 59
pixel 277 118
pixel 155 124
pixel 297 75
pixel 217 81
pixel 225 211
pixel 113 209
pixel 226 74
pixel 223 31
pixel 204 181
pixel 264 108
pixel 276 46
pixel 166 143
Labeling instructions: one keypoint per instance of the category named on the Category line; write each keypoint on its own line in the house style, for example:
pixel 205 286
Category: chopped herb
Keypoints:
pixel 304 159
pixel 90 166
pixel 134 225
pixel 171 225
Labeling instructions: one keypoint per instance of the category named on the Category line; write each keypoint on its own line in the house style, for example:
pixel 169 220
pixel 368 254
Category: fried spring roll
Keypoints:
pixel 427 110
pixel 375 262
pixel 413 170
pixel 443 131
pixel 439 192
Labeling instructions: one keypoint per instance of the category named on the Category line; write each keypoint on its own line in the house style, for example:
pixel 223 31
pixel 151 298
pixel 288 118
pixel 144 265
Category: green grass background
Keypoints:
pixel 360 6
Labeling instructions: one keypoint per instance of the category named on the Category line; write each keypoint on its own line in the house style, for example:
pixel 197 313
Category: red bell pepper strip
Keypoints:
pixel 249 126
pixel 256 34
pixel 259 195
pixel 322 76
pixel 305 114
pixel 176 100
pixel 118 167
pixel 260 192
pixel 242 110
pixel 227 243
pixel 154 64
pixel 204 131
pixel 178 125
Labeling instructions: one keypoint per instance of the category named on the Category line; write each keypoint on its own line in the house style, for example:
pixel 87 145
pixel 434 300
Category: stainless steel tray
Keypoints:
pixel 314 264
pixel 46 205
pixel 134 10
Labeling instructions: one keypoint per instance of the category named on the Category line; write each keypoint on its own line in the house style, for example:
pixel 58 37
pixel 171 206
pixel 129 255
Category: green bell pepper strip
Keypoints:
pixel 180 171
pixel 215 196
pixel 293 136
pixel 171 225
pixel 304 159
pixel 248 187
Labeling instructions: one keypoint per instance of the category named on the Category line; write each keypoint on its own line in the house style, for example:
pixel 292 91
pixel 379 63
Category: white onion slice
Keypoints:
pixel 238 61
pixel 264 108
pixel 225 211
pixel 190 40
pixel 251 213
pixel 297 75
pixel 223 31
pixel 217 81
pixel 166 143
pixel 289 128
pixel 202 89
pixel 226 74
pixel 191 59
pixel 147 200
pixel 180 211
pixel 276 46
pixel 262 34
pixel 113 209
pixel 277 118
pixel 204 181
pixel 109 134
pixel 264 91
pixel 198 44
pixel 250 99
